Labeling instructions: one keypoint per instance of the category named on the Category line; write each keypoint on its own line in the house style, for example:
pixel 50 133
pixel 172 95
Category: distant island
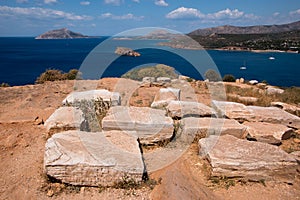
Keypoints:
pixel 123 51
pixel 62 33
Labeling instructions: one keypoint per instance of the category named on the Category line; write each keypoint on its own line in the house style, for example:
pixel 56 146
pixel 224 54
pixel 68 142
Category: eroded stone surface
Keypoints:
pixel 295 110
pixel 107 96
pixel 243 113
pixel 63 119
pixel 151 125
pixel 233 157
pixel 269 133
pixel 164 96
pixel 180 109
pixel 93 159
pixel 203 127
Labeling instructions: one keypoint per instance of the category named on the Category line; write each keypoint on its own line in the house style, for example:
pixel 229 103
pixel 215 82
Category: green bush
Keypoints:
pixel 57 75
pixel 229 78
pixel 212 75
pixel 151 71
pixel 4 85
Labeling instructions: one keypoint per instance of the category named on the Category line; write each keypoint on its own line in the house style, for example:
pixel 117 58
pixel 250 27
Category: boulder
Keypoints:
pixel 164 96
pixel 63 119
pixel 243 113
pixel 268 133
pixel 233 157
pixel 192 128
pixel 93 159
pixel 151 125
pixel 107 96
pixel 273 90
pixel 163 80
pixel 295 110
pixel 180 109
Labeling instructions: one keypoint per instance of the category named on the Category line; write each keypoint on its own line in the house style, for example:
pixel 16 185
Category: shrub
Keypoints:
pixel 57 75
pixel 229 78
pixel 4 85
pixel 212 75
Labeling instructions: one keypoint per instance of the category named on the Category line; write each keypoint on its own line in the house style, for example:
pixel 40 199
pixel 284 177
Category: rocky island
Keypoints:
pixel 123 51
pixel 62 33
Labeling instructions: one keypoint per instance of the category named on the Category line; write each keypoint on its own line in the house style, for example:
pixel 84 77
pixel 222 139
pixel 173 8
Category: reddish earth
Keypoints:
pixel 22 142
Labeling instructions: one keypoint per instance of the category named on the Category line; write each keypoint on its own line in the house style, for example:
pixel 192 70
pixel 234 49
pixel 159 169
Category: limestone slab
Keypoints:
pixel 93 159
pixel 151 125
pixel 233 157
pixel 63 119
pixel 107 96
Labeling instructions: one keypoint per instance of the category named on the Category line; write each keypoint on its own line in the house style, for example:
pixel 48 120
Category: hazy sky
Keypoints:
pixel 109 17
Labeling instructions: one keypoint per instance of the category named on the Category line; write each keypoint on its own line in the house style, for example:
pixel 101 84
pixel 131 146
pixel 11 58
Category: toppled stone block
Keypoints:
pixel 164 96
pixel 233 157
pixel 180 109
pixel 268 133
pixel 243 113
pixel 195 128
pixel 107 96
pixel 295 110
pixel 63 119
pixel 151 125
pixel 93 159
pixel 163 80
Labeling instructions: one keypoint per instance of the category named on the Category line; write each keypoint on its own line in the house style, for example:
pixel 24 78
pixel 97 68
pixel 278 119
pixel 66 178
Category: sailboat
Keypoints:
pixel 243 67
pixel 271 58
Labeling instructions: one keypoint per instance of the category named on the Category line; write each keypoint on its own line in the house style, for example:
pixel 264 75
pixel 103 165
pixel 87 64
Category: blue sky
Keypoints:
pixel 109 17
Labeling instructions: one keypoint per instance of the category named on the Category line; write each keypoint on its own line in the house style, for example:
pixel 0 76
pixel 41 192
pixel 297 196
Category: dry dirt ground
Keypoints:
pixel 22 141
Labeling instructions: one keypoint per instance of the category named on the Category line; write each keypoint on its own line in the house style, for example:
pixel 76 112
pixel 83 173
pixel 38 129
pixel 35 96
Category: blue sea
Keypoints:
pixel 22 60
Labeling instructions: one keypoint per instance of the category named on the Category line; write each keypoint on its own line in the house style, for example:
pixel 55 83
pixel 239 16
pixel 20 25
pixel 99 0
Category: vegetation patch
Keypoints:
pixel 58 75
pixel 151 71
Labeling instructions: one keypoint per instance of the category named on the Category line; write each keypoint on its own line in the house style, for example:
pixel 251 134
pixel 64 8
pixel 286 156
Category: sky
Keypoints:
pixel 110 17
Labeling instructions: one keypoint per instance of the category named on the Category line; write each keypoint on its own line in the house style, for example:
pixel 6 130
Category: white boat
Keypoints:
pixel 243 67
pixel 271 58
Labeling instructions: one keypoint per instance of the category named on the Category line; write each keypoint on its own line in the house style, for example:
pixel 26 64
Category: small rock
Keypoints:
pixel 273 90
pixel 50 193
pixel 253 82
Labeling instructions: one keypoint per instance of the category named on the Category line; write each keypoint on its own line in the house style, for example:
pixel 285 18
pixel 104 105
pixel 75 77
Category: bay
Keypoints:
pixel 22 60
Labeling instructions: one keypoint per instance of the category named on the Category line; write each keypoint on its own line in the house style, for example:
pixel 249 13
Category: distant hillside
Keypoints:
pixel 262 29
pixel 60 34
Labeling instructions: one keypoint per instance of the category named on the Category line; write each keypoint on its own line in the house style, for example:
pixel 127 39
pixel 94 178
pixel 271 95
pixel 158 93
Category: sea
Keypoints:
pixel 23 59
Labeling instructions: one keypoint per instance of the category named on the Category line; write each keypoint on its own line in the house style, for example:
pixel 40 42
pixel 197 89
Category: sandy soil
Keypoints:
pixel 22 141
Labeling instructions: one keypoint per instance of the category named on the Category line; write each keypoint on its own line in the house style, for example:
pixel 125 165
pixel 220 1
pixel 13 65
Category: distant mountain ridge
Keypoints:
pixel 261 29
pixel 62 33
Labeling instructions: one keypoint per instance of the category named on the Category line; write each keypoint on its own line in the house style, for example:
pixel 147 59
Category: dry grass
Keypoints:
pixel 291 95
